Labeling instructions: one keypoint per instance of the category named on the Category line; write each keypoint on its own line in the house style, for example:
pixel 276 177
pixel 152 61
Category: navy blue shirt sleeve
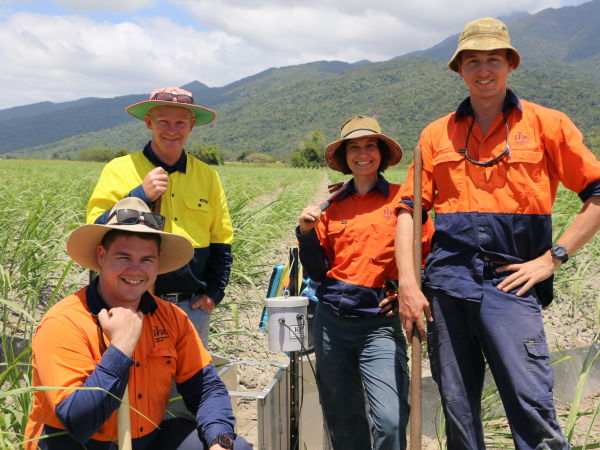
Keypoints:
pixel 84 411
pixel 135 192
pixel 206 394
pixel 217 271
pixel 206 273
pixel 591 190
pixel 312 256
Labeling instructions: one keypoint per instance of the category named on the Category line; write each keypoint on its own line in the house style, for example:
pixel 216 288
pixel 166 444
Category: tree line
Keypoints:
pixel 210 154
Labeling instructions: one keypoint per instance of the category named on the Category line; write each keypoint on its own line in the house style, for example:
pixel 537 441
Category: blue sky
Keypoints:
pixel 68 49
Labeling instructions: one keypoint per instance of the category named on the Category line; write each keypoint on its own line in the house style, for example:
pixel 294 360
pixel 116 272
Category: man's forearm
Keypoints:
pixel 206 395
pixel 403 248
pixel 584 227
pixel 85 410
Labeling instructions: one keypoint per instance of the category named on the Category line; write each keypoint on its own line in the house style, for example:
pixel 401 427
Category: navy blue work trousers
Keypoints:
pixel 362 364
pixel 506 331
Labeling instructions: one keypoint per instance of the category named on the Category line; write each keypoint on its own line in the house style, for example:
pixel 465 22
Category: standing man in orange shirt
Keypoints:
pixel 491 171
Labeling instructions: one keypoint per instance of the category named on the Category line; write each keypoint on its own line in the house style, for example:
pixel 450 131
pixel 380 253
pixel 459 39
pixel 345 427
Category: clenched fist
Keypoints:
pixel 155 183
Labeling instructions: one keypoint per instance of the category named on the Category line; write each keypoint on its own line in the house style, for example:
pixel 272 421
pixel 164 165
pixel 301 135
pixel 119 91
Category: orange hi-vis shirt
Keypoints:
pixel 500 213
pixel 69 348
pixel 352 252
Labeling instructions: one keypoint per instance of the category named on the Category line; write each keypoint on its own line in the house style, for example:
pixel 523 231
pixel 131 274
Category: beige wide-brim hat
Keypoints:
pixel 356 127
pixel 484 34
pixel 82 244
pixel 140 110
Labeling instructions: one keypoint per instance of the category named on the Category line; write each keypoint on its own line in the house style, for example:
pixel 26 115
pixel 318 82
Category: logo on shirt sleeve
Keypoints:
pixel 388 213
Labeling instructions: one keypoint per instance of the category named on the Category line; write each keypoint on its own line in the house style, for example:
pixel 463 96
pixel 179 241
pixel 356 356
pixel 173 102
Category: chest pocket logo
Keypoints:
pixel 159 334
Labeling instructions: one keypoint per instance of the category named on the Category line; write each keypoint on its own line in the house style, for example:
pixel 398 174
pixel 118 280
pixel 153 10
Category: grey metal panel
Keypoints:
pixel 272 414
pixel 312 434
pixel 228 374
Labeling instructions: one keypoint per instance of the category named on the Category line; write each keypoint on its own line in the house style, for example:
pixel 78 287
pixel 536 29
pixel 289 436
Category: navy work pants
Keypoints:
pixel 358 360
pixel 507 332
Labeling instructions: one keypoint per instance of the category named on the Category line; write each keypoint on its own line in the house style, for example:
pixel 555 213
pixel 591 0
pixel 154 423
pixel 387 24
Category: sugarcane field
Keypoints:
pixel 43 201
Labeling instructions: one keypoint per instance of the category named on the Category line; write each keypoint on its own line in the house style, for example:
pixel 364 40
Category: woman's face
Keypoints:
pixel 363 156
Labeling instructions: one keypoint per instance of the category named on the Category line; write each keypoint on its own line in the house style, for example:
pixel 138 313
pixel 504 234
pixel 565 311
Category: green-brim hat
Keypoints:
pixel 172 96
pixel 484 34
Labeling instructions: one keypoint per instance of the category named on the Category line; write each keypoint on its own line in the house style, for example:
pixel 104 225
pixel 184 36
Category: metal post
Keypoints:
pixel 294 371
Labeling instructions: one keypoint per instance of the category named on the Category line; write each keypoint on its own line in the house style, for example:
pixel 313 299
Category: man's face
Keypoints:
pixel 128 268
pixel 485 72
pixel 171 126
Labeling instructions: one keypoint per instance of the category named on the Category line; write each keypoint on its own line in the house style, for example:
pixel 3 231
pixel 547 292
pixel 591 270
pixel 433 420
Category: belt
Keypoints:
pixel 176 297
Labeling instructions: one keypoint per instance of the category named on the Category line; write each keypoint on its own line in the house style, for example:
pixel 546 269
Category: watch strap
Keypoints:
pixel 223 440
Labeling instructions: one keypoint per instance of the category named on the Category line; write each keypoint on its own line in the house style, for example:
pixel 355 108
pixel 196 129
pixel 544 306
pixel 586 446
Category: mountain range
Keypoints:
pixel 272 111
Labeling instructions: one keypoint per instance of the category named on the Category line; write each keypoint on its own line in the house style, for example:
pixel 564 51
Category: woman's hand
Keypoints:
pixel 309 217
pixel 389 305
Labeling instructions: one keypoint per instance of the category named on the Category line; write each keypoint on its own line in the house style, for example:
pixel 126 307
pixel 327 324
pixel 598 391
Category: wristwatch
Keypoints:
pixel 559 252
pixel 223 440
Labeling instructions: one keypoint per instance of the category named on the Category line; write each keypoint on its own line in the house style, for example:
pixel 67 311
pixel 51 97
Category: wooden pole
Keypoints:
pixel 123 418
pixel 415 380
pixel 124 423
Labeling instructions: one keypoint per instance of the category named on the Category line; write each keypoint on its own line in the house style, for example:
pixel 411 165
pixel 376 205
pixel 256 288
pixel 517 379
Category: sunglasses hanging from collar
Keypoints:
pixel 491 162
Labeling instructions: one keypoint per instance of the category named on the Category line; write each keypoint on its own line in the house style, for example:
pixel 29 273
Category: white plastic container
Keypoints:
pixel 287 323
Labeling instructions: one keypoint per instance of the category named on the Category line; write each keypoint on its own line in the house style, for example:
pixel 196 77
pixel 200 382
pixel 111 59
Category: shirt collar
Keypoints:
pixel 381 185
pixel 466 109
pixel 179 166
pixel 96 303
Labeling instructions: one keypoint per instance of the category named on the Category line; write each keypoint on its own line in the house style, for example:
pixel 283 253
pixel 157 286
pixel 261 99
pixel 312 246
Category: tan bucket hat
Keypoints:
pixel 484 34
pixel 172 96
pixel 360 126
pixel 176 251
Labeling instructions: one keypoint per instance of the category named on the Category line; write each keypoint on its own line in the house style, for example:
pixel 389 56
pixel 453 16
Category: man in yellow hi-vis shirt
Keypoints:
pixel 190 195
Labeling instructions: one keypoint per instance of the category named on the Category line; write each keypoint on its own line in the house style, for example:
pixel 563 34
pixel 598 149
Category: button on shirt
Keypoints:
pixel 498 214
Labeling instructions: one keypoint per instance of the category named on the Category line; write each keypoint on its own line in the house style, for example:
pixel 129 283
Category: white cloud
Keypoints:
pixel 69 57
pixel 345 29
pixel 61 58
pixel 113 6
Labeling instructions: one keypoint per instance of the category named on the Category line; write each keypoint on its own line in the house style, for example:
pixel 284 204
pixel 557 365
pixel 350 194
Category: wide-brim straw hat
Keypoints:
pixel 82 244
pixel 356 127
pixel 484 34
pixel 203 115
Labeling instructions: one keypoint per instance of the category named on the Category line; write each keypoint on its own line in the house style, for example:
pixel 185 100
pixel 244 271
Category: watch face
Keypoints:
pixel 223 440
pixel 559 252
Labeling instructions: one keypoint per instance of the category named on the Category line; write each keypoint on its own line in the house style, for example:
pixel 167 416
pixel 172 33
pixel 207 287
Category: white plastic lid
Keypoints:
pixel 285 302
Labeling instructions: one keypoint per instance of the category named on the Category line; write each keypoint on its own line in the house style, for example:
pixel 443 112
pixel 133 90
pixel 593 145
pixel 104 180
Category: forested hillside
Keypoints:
pixel 271 112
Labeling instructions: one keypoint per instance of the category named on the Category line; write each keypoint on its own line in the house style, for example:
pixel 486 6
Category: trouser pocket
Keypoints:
pixel 541 376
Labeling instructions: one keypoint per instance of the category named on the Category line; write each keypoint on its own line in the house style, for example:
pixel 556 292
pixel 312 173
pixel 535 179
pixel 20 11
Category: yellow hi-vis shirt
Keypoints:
pixel 194 204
